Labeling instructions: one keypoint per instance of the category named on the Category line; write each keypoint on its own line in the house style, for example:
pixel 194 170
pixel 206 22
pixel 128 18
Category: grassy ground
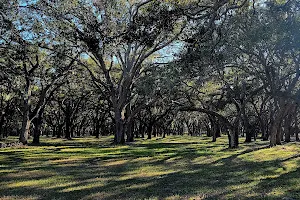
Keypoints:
pixel 171 168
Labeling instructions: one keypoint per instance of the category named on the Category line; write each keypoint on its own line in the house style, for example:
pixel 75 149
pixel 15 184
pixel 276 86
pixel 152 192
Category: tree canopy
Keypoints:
pixel 136 67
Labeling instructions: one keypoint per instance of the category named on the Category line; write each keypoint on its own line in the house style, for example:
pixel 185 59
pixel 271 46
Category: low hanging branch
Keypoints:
pixel 209 112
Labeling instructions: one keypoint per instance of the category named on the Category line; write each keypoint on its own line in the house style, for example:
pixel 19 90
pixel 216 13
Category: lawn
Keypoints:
pixel 170 168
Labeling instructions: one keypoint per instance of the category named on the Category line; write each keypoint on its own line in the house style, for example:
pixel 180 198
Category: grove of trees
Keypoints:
pixel 148 68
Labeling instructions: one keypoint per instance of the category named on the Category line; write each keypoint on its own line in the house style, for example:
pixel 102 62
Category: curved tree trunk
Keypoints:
pixel 276 127
pixel 26 115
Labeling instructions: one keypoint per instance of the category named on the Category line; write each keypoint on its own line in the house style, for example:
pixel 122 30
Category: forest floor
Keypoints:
pixel 170 168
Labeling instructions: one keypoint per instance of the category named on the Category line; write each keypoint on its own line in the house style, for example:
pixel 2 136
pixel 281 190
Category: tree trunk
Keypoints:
pixel 154 131
pixel 25 127
pixel 218 130
pixel 26 115
pixel 208 130
pixel 129 128
pixel 297 133
pixel 59 131
pixel 233 135
pixel 119 132
pixel 53 131
pixel 143 130
pixel 5 131
pixel 68 129
pixel 273 133
pixel 37 122
pixel 1 126
pixel 248 135
pixel 72 127
pixel 248 129
pixel 279 135
pixel 214 138
pixel 139 130
pixel 164 133
pixel 236 137
pixel 264 131
pixel 149 131
pixel 97 130
pixel 286 109
pixel 287 128
pixel 276 132
pixel 214 131
pixel 130 131
pixel 288 135
pixel 230 138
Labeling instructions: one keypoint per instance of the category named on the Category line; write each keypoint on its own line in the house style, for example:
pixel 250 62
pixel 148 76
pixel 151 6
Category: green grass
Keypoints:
pixel 171 168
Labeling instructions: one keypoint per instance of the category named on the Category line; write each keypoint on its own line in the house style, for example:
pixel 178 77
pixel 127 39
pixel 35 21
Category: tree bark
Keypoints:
pixel 273 134
pixel 142 130
pixel 279 134
pixel 285 108
pixel 208 130
pixel 119 134
pixel 287 128
pixel 68 129
pixel 233 137
pixel 249 135
pixel 139 129
pixel 25 126
pixel 26 114
pixel 129 125
pixel 130 131
pixel 25 129
pixel 37 122
pixel 149 131
pixel 1 126
pixel 97 129
pixel 297 133
pixel 213 129
pixel 264 131
pixel 59 130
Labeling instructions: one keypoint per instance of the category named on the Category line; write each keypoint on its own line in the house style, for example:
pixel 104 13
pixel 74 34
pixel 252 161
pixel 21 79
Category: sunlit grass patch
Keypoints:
pixel 147 171
pixel 80 187
pixel 39 182
pixel 114 163
pixel 34 174
pixel 268 154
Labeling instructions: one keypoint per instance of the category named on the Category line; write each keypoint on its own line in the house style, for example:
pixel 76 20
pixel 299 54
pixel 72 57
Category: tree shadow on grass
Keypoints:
pixel 290 180
pixel 124 175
